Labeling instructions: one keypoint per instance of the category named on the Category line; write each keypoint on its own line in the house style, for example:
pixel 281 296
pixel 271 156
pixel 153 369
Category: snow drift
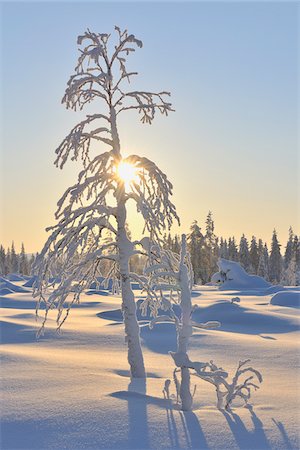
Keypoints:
pixel 6 286
pixel 286 298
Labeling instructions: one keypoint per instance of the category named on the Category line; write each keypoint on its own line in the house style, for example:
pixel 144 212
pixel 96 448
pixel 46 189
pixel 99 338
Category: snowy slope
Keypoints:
pixel 74 392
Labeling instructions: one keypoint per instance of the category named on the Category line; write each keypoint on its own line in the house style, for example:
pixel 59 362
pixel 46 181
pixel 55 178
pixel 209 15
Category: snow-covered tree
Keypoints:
pixel 275 262
pixel 31 264
pixel 289 274
pixel 2 260
pixel 8 262
pixel 13 259
pixel 244 256
pixel 263 264
pixel 254 255
pixel 196 247
pixel 211 249
pixel 232 250
pixel 23 262
pixel 296 255
pixel 223 249
pixel 98 201
pixel 289 249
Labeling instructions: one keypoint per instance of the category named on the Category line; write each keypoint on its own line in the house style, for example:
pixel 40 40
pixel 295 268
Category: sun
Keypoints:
pixel 127 172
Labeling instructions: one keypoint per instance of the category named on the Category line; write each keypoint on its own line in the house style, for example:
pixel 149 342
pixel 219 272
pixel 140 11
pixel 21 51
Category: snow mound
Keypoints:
pixel 29 283
pixel 286 298
pixel 238 319
pixel 274 289
pixel 5 284
pixel 14 277
pixel 4 290
pixel 231 275
pixel 96 292
pixel 117 316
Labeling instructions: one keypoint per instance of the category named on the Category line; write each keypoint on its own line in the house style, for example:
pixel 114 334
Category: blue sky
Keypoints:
pixel 231 145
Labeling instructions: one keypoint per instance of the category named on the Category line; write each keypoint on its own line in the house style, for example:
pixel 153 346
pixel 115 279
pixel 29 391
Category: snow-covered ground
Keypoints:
pixel 73 391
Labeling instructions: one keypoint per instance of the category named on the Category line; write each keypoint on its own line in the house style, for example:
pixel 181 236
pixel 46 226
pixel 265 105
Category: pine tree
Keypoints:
pixel 275 260
pixel 244 256
pixel 260 247
pixel 296 252
pixel 232 249
pixel 2 260
pixel 223 249
pixel 254 256
pixel 196 245
pixel 176 244
pixel 31 263
pixel 23 262
pixel 289 274
pixel 289 249
pixel 210 256
pixel 263 265
pixel 169 242
pixel 14 259
pixel 8 262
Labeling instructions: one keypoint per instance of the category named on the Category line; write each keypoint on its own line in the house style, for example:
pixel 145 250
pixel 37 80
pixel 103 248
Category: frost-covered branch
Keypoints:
pixel 146 103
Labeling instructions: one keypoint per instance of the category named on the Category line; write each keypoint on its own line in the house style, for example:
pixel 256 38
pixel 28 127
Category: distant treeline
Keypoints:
pixel 13 262
pixel 274 264
pixel 279 266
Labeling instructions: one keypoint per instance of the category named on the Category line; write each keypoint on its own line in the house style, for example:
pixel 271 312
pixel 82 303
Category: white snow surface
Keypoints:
pixel 236 277
pixel 73 391
pixel 286 298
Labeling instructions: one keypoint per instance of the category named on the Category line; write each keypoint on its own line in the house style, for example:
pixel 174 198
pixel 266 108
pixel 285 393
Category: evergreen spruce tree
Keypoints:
pixel 14 259
pixel 169 243
pixel 31 262
pixel 275 260
pixel 263 264
pixel 260 247
pixel 296 252
pixel 289 249
pixel 223 249
pixel 210 256
pixel 289 274
pixel 196 245
pixel 254 256
pixel 176 244
pixel 232 249
pixel 244 255
pixel 2 260
pixel 23 262
pixel 8 262
pixel 267 262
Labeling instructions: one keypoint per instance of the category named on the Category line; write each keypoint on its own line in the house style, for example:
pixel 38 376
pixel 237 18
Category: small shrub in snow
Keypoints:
pixel 171 272
pixel 240 387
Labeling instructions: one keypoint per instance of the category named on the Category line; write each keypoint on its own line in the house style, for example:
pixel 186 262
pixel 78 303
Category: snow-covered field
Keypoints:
pixel 73 391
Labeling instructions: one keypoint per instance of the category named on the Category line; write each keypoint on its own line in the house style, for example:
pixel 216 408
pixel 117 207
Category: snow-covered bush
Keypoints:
pixel 97 203
pixel 240 387
pixel 232 275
